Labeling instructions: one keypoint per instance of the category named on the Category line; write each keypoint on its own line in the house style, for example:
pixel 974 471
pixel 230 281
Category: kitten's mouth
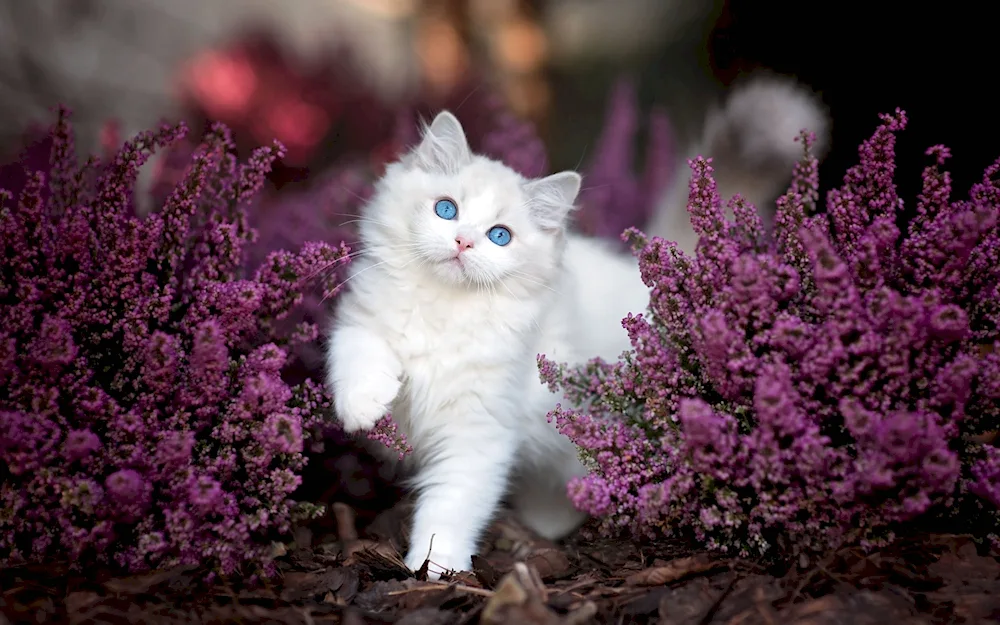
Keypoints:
pixel 457 266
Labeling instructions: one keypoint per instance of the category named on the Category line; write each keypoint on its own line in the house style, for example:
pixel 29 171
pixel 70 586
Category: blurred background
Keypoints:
pixel 543 84
pixel 313 72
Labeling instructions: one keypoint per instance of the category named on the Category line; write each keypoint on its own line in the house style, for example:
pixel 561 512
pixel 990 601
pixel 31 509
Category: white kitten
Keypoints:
pixel 468 274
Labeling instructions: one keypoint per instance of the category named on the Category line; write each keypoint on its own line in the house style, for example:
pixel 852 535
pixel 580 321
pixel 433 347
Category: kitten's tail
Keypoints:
pixel 751 140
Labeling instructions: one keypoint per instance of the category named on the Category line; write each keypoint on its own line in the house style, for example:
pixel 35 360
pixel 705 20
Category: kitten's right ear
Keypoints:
pixel 443 147
pixel 551 199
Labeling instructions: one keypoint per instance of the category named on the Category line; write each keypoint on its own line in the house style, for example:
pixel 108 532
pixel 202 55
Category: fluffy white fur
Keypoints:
pixel 448 342
pixel 751 141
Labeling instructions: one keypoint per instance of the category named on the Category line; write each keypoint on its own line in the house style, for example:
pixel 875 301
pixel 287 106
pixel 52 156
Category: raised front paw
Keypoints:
pixel 360 405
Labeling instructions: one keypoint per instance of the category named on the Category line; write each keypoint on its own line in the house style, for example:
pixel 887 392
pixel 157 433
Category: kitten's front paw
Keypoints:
pixel 360 406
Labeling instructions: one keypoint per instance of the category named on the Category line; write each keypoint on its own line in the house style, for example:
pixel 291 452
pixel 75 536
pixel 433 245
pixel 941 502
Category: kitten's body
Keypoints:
pixel 452 350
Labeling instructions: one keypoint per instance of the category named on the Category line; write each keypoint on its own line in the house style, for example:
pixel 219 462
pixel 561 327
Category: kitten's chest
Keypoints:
pixel 441 333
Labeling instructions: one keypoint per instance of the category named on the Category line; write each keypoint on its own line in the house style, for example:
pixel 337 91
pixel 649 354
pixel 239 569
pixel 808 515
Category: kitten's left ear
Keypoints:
pixel 551 198
pixel 443 148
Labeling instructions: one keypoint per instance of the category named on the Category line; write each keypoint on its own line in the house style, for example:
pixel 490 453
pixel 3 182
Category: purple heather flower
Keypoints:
pixel 986 476
pixel 174 449
pixel 141 360
pixel 204 492
pixel 614 198
pixel 125 486
pixel 819 387
pixel 387 433
pixel 282 433
pixel 80 444
pixel 152 543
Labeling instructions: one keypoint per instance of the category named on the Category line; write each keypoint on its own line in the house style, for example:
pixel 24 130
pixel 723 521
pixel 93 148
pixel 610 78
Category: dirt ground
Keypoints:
pixel 344 578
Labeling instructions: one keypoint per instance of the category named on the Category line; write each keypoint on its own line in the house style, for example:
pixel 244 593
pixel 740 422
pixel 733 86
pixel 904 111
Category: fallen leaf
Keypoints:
pixel 138 584
pixel 641 603
pixel 966 565
pixel 377 597
pixel 426 616
pixel 381 560
pixel 352 617
pixel 550 563
pixel 687 604
pixel 751 600
pixel 519 598
pixel 672 571
pixel 853 608
pixel 333 599
pixel 464 579
pixel 583 614
pixel 341 582
pixel 484 571
pixel 515 538
pixel 79 601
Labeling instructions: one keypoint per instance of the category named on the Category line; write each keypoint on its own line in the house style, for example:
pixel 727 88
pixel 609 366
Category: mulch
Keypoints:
pixel 352 579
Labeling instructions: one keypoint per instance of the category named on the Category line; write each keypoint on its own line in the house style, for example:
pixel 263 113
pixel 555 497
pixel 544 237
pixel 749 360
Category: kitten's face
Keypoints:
pixel 468 219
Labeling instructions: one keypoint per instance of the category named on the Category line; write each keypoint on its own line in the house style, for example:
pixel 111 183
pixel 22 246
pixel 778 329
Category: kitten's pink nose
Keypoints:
pixel 463 243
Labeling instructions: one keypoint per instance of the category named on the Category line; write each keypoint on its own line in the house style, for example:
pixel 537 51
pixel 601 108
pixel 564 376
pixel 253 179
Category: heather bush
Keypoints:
pixel 817 387
pixel 144 421
pixel 615 195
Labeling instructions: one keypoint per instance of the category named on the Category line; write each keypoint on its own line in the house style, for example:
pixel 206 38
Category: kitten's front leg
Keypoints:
pixel 459 489
pixel 364 375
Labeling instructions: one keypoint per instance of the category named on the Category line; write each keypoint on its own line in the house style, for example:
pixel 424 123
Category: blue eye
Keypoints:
pixel 446 209
pixel 499 235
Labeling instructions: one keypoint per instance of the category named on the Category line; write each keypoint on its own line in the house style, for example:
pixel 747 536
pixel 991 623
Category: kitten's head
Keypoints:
pixel 465 218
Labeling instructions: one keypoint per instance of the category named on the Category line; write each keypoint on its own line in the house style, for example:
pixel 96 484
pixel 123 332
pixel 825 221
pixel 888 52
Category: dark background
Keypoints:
pixel 935 60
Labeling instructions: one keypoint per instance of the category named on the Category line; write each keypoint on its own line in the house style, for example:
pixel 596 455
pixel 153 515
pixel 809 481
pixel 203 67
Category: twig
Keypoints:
pixel 805 581
pixel 432 585
pixel 346 529
pixel 577 586
pixel 712 609
pixel 306 614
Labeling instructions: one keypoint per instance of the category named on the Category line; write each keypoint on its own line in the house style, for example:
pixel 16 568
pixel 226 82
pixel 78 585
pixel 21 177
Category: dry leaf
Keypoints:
pixel 519 598
pixel 550 563
pixel 138 584
pixel 485 573
pixel 671 571
pixel 341 582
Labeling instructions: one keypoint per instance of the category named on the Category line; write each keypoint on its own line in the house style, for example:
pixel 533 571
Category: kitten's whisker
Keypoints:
pixel 597 186
pixel 357 217
pixel 583 155
pixel 466 98
pixel 353 276
pixel 351 215
pixel 533 319
pixel 362 220
pixel 355 194
pixel 329 265
pixel 410 262
pixel 533 280
pixel 351 255
pixel 354 221
pixel 391 248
